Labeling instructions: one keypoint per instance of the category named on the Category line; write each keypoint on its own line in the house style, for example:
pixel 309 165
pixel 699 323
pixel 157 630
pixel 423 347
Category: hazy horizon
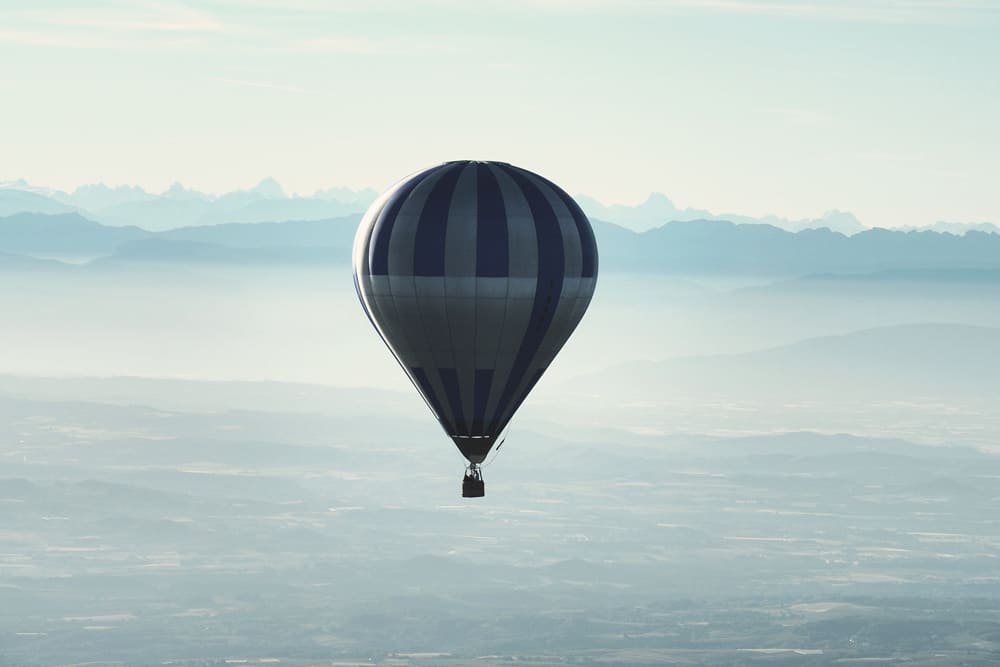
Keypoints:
pixel 791 107
pixel 653 210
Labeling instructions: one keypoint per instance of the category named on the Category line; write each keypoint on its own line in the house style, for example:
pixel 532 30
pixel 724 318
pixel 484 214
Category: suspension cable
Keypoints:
pixel 496 450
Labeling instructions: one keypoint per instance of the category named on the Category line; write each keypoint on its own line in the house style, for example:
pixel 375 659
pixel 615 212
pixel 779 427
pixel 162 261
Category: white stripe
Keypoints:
pixel 522 241
pixel 413 302
pixel 521 287
pixel 572 249
pixel 460 283
pixel 404 229
pixel 518 314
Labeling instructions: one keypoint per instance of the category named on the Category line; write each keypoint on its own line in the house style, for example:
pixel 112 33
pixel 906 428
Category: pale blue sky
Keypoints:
pixel 886 108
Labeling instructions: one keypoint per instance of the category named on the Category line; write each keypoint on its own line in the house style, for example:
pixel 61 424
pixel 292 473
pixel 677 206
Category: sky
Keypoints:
pixel 886 108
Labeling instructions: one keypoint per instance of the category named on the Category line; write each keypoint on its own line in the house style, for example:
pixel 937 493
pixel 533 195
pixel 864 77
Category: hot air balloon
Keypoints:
pixel 474 274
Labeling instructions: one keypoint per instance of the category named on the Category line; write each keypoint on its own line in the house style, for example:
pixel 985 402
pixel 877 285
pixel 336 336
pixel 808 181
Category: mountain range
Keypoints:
pixel 692 247
pixel 718 246
pixel 74 238
pixel 658 209
pixel 179 206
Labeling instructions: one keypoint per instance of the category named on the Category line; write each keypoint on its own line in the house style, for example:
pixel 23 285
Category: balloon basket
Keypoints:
pixel 473 485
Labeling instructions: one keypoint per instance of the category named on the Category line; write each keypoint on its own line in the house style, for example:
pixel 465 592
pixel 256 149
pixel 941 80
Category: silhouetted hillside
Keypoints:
pixel 658 210
pixel 72 234
pixel 13 201
pixel 164 250
pixel 13 262
pixel 62 234
pixel 899 362
pixel 333 233
pixel 712 246
pixel 910 276
pixel 698 247
pixel 894 282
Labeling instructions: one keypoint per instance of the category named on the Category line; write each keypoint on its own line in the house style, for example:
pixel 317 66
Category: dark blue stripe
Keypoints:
pixel 551 271
pixel 491 232
pixel 432 227
pixel 527 390
pixel 428 391
pixel 505 417
pixel 449 378
pixel 484 381
pixel 378 250
pixel 588 244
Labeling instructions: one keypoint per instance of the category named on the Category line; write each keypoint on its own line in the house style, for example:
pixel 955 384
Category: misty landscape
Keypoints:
pixel 766 444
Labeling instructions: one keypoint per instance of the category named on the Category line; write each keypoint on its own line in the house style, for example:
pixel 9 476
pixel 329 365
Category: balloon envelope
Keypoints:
pixel 475 274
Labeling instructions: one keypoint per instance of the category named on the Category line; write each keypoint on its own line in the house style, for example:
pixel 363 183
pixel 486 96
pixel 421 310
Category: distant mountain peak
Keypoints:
pixel 91 187
pixel 269 188
pixel 105 188
pixel 957 228
pixel 364 196
pixel 179 192
pixel 835 220
pixel 24 186
pixel 658 209
pixel 659 199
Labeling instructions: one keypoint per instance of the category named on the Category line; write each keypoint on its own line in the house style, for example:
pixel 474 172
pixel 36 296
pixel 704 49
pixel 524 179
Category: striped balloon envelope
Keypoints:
pixel 475 274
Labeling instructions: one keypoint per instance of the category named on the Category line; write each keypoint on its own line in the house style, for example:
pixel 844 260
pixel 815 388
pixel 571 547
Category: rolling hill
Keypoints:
pixel 895 362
